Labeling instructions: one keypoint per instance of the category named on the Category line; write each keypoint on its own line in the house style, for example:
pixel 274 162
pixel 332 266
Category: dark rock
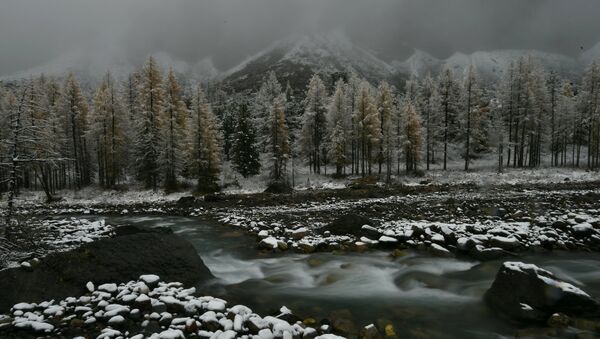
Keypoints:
pixel 582 230
pixel 348 224
pixel 342 322
pixel 118 259
pixel 526 292
pixel 152 327
pixel 213 198
pixel 558 320
pixel 279 188
pixel 290 318
pixel 369 332
pixel 186 201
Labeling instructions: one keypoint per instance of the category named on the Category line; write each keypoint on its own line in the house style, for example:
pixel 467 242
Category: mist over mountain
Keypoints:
pixel 89 37
pixel 295 58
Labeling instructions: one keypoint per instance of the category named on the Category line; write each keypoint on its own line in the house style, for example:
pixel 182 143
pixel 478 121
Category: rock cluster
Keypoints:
pixel 149 307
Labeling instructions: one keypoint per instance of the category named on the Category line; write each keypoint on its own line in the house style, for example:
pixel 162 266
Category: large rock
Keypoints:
pixel 527 292
pixel 350 224
pixel 131 253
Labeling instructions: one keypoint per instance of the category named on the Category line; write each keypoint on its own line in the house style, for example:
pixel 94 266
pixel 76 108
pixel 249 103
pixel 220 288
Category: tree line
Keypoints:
pixel 151 129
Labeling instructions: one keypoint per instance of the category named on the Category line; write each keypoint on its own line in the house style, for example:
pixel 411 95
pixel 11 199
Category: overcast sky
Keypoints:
pixel 33 32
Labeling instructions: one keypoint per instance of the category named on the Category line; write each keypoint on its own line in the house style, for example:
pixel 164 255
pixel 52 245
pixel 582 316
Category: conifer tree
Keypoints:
pixel 108 131
pixel 412 143
pixel 449 91
pixel 554 87
pixel 314 123
pixel 278 141
pixel 567 118
pixel 338 125
pixel 245 154
pixel 429 101
pixel 369 127
pixel 590 106
pixel 148 118
pixel 175 130
pixel 470 106
pixel 74 108
pixel 386 108
pixel 205 159
pixel 264 102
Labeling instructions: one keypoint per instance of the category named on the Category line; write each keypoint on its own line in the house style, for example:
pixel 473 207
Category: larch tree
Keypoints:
pixel 554 88
pixel 175 132
pixel 205 157
pixel 412 137
pixel 108 126
pixel 148 118
pixel 496 131
pixel 338 124
pixel 470 100
pixel 351 91
pixel 429 102
pixel 386 110
pixel 74 108
pixel 590 106
pixel 279 148
pixel 449 91
pixel 369 127
pixel 566 121
pixel 314 124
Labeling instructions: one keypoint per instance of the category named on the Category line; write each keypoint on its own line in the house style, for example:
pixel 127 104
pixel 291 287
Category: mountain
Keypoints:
pixel 490 64
pixel 295 59
pixel 418 64
pixel 590 55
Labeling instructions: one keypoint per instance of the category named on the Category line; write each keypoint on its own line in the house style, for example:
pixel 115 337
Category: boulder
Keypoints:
pixel 349 224
pixel 528 293
pixel 122 258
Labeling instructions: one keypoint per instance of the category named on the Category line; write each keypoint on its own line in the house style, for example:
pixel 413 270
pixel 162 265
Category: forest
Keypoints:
pixel 150 129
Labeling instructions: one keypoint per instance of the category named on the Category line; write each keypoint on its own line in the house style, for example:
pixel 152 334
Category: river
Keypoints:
pixel 422 296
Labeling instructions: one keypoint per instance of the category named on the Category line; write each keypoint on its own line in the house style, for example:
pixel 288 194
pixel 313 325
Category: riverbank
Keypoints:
pixel 482 222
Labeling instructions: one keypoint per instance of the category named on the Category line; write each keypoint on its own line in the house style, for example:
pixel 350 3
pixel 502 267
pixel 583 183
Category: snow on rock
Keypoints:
pixel 268 243
pixel 150 279
pixel 110 288
pixel 528 292
pixel 196 316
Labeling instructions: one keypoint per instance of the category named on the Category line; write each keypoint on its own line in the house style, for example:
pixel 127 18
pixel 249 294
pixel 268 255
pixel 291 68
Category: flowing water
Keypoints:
pixel 422 296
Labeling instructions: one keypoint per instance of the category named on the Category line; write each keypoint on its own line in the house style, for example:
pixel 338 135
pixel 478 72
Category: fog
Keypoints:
pixel 34 32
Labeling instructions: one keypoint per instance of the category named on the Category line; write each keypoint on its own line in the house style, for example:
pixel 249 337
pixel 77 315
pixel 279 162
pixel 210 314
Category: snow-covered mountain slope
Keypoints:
pixel 591 54
pixel 295 59
pixel 420 63
pixel 490 64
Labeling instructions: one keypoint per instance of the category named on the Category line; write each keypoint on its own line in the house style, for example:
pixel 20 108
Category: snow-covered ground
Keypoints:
pixel 486 224
pixel 51 235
